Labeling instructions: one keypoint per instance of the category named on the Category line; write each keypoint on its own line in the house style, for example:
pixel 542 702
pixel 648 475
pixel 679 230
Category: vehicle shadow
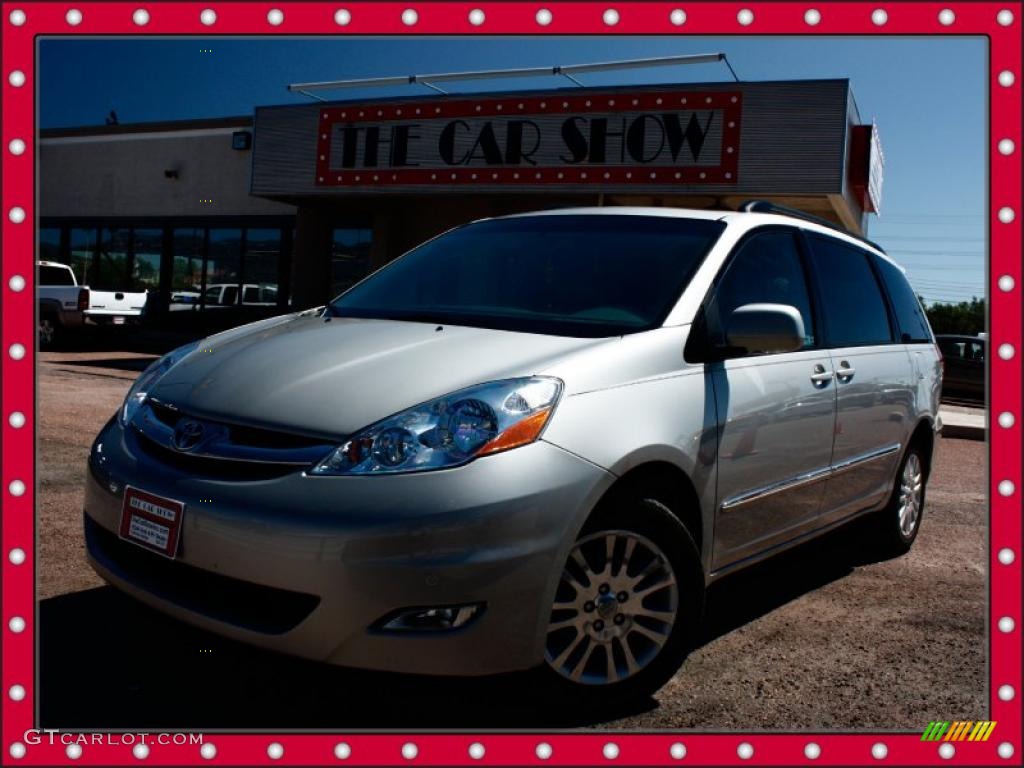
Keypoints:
pixel 109 662
pixel 138 364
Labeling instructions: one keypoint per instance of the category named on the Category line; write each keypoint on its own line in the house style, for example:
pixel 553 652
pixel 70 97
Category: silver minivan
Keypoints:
pixel 531 442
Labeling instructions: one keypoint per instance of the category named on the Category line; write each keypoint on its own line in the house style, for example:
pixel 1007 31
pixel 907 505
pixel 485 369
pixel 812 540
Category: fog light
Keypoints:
pixel 436 619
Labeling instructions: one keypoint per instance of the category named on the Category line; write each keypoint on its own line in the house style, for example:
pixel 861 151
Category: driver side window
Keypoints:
pixel 766 269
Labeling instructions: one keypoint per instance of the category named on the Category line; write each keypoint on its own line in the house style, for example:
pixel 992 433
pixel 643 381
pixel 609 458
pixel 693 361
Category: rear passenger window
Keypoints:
pixel 767 268
pixel 852 303
pixel 911 318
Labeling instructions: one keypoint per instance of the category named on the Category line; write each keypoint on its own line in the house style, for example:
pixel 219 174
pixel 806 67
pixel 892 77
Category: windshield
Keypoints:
pixel 568 275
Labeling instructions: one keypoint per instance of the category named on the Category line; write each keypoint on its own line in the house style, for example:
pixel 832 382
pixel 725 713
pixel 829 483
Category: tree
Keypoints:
pixel 966 317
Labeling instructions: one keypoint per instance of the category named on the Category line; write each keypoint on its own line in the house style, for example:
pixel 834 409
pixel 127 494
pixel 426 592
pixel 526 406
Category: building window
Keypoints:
pixel 187 271
pixel 49 244
pixel 223 267
pixel 147 246
pixel 262 266
pixel 82 249
pixel 350 257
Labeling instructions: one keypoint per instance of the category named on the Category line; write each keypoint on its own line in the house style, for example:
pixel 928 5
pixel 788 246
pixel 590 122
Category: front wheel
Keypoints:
pixel 628 604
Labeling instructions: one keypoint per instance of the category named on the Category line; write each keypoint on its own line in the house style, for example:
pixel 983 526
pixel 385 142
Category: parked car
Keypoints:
pixel 65 305
pixel 226 294
pixel 964 358
pixel 530 442
pixel 62 301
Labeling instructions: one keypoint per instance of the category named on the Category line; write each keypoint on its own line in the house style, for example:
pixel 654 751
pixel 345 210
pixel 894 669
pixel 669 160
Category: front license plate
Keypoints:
pixel 151 521
pixel 118 320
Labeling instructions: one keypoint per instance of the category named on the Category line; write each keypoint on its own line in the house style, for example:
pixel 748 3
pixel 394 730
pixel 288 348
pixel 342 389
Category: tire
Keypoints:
pixel 660 611
pixel 897 525
pixel 49 331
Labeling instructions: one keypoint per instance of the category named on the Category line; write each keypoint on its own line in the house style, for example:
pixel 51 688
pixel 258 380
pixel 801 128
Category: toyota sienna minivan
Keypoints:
pixel 531 442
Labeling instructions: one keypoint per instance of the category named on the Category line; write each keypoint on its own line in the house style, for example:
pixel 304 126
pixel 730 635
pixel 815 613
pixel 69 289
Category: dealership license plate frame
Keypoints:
pixel 151 521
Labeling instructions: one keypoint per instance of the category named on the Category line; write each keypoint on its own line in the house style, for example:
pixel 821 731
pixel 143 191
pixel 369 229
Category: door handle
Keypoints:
pixel 821 377
pixel 845 372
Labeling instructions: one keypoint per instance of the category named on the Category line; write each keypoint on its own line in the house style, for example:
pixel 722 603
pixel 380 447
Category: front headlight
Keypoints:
pixel 149 377
pixel 451 430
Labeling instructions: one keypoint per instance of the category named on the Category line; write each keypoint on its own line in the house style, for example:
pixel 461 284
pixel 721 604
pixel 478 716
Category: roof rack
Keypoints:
pixel 764 206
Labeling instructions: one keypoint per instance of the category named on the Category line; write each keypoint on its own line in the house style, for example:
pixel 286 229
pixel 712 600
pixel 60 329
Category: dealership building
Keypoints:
pixel 228 219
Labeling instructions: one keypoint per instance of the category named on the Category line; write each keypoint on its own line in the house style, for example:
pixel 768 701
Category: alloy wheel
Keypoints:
pixel 911 491
pixel 46 331
pixel 614 609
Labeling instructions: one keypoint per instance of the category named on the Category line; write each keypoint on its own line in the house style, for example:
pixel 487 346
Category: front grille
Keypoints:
pixel 254 437
pixel 269 610
pixel 213 468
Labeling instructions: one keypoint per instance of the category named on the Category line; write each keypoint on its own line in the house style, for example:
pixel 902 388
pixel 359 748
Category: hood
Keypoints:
pixel 330 378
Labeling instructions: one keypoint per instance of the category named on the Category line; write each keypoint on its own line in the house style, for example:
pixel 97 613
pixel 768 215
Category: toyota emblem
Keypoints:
pixel 188 433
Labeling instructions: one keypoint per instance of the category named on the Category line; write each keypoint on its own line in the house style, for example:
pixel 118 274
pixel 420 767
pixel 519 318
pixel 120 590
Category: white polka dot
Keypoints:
pixel 1006 283
pixel 410 750
pixel 16 625
pixel 1006 420
pixel 342 17
pixel 879 751
pixel 677 751
pixel 16 692
pixel 275 751
pixel 17 750
pixel 1006 693
pixel 16 488
pixel 342 751
pixel 477 17
pixel 878 18
pixel 1005 750
pixel 141 751
pixel 1006 146
pixel 410 17
pixel 1006 78
pixel 1006 556
pixel 1005 17
pixel 73 751
pixel 73 17
pixel 208 751
pixel 476 750
pixel 1006 214
pixel 16 214
pixel 209 18
pixel 17 17
pixel 17 556
pixel 745 17
pixel 17 351
pixel 812 17
pixel 1006 488
pixel 16 283
pixel 610 751
pixel 610 17
pixel 275 16
pixel 16 78
pixel 544 17
pixel 1006 351
pixel 141 19
pixel 677 17
pixel 745 751
pixel 812 751
pixel 946 751
pixel 1006 625
pixel 946 17
pixel 543 750
pixel 16 419
pixel 16 147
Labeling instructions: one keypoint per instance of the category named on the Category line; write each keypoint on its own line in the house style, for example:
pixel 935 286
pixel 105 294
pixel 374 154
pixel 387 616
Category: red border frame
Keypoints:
pixel 903 18
pixel 730 103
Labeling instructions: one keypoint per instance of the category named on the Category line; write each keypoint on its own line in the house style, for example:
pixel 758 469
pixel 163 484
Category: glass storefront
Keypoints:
pixel 350 257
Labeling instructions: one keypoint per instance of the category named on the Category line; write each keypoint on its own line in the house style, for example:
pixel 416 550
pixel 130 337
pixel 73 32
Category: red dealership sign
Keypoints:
pixel 560 137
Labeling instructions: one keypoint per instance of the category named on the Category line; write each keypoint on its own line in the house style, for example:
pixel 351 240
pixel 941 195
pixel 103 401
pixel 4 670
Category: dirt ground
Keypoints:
pixel 819 638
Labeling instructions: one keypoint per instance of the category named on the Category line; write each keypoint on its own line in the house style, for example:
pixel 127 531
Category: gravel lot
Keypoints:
pixel 820 638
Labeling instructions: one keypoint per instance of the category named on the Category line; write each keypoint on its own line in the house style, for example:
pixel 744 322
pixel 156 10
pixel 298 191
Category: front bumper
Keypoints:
pixel 306 565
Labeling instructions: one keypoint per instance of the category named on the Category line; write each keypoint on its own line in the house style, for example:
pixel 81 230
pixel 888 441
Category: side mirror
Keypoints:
pixel 766 328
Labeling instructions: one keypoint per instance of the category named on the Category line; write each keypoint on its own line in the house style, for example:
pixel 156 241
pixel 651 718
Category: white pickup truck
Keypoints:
pixel 65 305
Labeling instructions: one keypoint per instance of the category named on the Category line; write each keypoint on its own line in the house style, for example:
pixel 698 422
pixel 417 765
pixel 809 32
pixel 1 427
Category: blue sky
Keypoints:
pixel 928 96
